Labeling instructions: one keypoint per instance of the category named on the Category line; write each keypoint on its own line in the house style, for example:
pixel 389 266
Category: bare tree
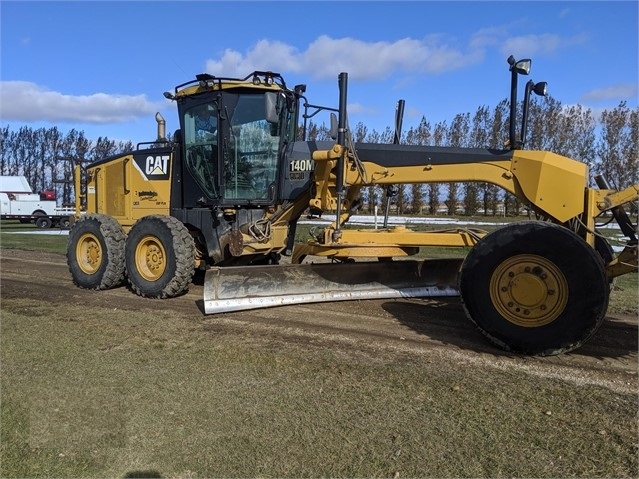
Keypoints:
pixel 457 137
pixel 418 136
pixel 617 147
pixel 6 146
pixel 498 129
pixel 479 138
pixel 433 190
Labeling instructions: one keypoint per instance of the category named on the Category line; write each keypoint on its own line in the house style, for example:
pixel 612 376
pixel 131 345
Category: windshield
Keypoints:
pixel 250 155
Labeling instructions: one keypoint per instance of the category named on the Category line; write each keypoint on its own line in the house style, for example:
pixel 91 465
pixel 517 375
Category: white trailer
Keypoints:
pixel 19 202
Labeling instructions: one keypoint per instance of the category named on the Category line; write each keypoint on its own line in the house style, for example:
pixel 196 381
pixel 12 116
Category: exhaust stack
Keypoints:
pixel 161 128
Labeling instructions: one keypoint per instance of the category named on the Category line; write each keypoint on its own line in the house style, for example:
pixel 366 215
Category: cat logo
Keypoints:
pixel 157 165
pixel 153 167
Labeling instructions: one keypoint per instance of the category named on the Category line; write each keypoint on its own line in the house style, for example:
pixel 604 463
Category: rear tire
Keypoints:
pixel 65 223
pixel 160 257
pixel 95 252
pixel 43 222
pixel 534 288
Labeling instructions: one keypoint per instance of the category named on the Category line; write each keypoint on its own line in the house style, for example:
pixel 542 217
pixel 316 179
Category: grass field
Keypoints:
pixel 100 392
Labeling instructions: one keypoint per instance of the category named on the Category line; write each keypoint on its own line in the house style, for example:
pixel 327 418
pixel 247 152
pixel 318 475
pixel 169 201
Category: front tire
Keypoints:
pixel 534 288
pixel 160 257
pixel 95 252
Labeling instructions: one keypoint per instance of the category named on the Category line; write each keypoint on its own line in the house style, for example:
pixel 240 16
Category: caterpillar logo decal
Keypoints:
pixel 153 167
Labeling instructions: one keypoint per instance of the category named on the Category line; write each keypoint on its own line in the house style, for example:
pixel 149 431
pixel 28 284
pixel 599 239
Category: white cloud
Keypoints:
pixel 565 12
pixel 326 56
pixel 623 91
pixel 27 101
pixel 359 109
pixel 487 37
pixel 531 45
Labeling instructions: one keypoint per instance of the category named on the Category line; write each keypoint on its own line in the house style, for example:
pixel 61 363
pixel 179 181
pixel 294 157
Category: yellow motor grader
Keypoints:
pixel 226 193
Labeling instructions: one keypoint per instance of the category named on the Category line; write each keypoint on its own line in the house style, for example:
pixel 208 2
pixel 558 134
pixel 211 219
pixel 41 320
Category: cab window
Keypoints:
pixel 201 147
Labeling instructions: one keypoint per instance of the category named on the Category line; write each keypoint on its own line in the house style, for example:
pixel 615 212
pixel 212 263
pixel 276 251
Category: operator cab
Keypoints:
pixel 231 137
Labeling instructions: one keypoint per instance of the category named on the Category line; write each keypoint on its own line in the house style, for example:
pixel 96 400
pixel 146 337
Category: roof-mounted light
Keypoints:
pixel 205 80
pixel 265 78
pixel 522 66
pixel 540 88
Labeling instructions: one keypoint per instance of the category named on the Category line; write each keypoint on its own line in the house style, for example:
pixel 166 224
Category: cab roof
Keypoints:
pixel 203 82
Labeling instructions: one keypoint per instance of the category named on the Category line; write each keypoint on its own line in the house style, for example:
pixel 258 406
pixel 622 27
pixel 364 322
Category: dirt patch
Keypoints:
pixel 434 327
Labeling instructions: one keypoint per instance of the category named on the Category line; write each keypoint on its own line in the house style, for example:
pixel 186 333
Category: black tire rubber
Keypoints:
pixel 43 222
pixel 538 269
pixel 159 257
pixel 606 253
pixel 604 249
pixel 65 223
pixel 95 252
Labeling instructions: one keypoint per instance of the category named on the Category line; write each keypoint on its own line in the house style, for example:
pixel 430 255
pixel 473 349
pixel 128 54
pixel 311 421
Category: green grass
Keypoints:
pixel 14 234
pixel 99 392
pixel 624 298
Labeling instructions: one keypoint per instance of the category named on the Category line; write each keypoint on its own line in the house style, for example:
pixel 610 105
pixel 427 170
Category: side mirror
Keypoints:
pixel 272 107
pixel 333 131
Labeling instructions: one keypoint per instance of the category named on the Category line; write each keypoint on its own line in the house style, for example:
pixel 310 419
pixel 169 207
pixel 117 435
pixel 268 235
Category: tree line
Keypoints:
pixel 47 157
pixel 609 147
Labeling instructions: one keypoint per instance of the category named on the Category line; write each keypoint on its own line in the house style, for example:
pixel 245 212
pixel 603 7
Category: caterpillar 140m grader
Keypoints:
pixel 226 193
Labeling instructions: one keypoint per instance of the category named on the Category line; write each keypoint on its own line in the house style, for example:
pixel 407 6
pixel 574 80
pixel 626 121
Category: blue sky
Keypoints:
pixel 102 67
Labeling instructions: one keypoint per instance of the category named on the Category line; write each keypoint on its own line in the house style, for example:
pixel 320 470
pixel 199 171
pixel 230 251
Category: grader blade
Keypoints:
pixel 253 287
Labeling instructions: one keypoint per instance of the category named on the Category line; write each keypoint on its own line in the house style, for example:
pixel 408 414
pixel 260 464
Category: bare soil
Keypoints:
pixel 436 328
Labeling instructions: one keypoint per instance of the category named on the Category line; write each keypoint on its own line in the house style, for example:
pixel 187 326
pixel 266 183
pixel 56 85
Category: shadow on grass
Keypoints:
pixel 142 474
pixel 444 320
pixel 615 338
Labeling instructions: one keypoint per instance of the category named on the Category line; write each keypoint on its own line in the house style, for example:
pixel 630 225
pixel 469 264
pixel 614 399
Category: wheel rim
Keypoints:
pixel 529 290
pixel 150 258
pixel 89 253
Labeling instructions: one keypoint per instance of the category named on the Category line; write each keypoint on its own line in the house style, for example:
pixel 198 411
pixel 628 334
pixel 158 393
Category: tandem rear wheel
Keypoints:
pixel 157 256
pixel 95 252
pixel 43 222
pixel 535 288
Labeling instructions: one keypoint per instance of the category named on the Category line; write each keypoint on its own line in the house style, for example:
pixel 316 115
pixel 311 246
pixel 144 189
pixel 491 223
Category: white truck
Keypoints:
pixel 19 202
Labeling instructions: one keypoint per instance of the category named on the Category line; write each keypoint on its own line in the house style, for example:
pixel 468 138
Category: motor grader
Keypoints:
pixel 226 193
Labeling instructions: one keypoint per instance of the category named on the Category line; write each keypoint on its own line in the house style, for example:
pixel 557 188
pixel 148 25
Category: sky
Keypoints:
pixel 102 67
